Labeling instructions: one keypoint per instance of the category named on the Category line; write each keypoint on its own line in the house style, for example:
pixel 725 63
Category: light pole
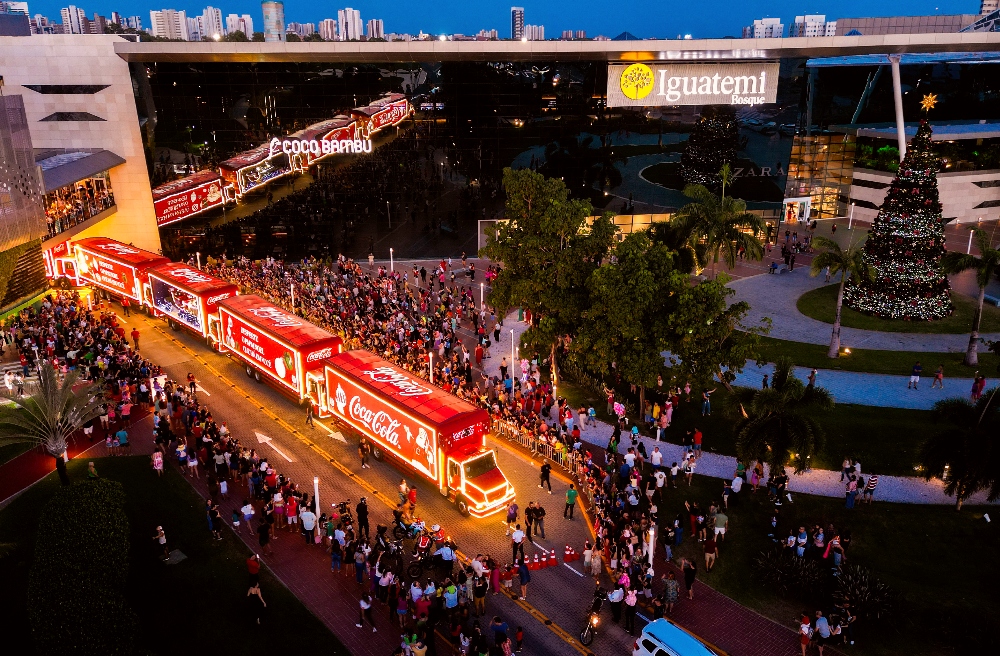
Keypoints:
pixel 316 494
pixel 391 263
pixel 481 288
pixel 968 249
pixel 291 288
pixel 389 214
pixel 430 366
pixel 198 255
pixel 850 219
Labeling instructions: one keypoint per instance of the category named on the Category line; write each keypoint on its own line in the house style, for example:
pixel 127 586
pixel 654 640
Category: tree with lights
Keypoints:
pixel 712 143
pixel 906 243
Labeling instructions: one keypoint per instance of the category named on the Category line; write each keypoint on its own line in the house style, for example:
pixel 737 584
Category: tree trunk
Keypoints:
pixel 972 354
pixel 61 468
pixel 553 369
pixel 834 351
pixel 958 503
pixel 642 402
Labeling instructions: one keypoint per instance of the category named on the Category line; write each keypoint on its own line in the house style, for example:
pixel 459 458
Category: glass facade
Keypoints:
pixel 75 203
pixel 821 167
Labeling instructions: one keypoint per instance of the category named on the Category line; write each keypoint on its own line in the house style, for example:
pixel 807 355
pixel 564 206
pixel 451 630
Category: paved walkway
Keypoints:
pixel 900 489
pixel 774 296
pixel 879 390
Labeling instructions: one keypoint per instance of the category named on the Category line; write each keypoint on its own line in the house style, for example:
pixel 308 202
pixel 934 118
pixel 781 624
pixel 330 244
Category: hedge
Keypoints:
pixel 76 602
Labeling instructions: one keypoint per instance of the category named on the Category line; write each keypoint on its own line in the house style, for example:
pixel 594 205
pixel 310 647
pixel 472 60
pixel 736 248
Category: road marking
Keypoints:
pixel 201 389
pixel 643 617
pixel 337 435
pixel 580 574
pixel 540 546
pixel 264 439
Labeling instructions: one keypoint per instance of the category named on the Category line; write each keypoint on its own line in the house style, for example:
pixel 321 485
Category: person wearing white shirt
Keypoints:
pixel 630 458
pixel 416 592
pixel 656 458
pixel 517 543
pixel 737 484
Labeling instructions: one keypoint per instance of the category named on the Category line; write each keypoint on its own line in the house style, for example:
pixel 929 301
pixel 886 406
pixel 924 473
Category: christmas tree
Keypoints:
pixel 712 143
pixel 905 244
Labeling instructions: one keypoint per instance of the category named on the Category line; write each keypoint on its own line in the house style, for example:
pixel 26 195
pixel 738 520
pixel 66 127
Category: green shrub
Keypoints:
pixel 75 600
pixel 802 577
pixel 870 598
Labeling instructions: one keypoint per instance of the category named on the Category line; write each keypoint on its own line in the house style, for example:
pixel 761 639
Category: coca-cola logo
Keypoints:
pixel 406 385
pixel 211 300
pixel 379 422
pixel 320 354
pixel 189 274
pixel 118 249
pixel 275 316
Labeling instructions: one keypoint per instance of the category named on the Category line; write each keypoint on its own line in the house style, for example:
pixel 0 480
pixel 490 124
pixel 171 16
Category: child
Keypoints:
pixel 236 519
pixel 588 551
pixel 519 638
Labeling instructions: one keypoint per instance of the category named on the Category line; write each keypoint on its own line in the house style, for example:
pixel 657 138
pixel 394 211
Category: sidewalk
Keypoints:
pixel 898 489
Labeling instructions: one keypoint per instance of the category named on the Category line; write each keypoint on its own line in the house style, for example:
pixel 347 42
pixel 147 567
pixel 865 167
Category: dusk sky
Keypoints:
pixel 644 18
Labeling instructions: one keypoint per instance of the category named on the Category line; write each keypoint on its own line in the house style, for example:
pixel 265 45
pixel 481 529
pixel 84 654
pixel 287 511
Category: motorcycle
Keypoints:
pixel 342 512
pixel 593 618
pixel 403 531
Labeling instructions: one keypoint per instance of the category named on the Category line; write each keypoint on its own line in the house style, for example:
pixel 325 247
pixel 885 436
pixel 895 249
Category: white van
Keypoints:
pixel 664 638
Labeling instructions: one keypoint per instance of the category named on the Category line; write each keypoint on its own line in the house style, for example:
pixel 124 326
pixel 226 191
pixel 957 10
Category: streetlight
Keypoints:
pixel 216 36
pixel 430 365
pixel 198 255
pixel 850 219
pixel 389 214
pixel 291 288
pixel 512 355
pixel 316 492
pixel 481 287
pixel 391 263
pixel 968 249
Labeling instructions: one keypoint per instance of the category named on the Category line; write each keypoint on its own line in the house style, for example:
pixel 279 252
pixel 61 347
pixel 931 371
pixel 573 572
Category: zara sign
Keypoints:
pixel 663 84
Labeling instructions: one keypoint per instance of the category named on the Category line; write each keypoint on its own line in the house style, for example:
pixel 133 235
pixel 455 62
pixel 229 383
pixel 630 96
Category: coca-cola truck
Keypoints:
pixel 428 431
pixel 276 345
pixel 114 267
pixel 188 297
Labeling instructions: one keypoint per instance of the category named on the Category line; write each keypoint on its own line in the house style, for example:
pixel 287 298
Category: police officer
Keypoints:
pixel 362 515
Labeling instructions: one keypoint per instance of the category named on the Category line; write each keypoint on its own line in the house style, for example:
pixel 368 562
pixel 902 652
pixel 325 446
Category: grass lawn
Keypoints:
pixel 878 362
pixel 196 606
pixel 939 559
pixel 885 440
pixel 821 304
pixel 10 451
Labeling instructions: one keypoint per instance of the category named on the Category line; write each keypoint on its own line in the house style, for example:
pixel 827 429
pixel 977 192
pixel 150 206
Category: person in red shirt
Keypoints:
pixel 696 439
pixel 411 496
pixel 253 569
pixel 479 355
pixel 135 338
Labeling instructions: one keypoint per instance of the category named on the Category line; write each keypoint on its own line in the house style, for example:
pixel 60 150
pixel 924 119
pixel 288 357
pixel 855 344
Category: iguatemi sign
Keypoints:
pixel 665 84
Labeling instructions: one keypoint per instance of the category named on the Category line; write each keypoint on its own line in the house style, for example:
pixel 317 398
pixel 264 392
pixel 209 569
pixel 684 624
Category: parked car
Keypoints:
pixel 664 638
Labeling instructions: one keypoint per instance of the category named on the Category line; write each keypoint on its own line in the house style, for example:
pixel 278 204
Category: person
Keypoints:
pixel 361 512
pixel 479 589
pixel 517 543
pixel 805 633
pixel 257 603
pixel 915 375
pixel 364 449
pixel 157 461
pixel 571 495
pixel 366 612
pixel 308 518
pixel 539 520
pixel 544 474
pixel 615 598
pixel 690 569
pixel 851 492
pixel 763 383
pixel 91 470
pixel 711 552
pixel 523 577
pixel 821 632
pixel 812 378
pixel 264 537
pixel 869 492
pixel 512 511
pixel 706 401
pixel 309 415
pixel 161 540
pixel 499 628
pixel 126 306
pixel 671 590
pixel 253 570
pixel 135 338
pixel 529 518
pixel 938 377
pixel 518 639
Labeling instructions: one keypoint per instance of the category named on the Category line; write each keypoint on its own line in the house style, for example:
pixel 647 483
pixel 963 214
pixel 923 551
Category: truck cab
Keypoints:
pixel 476 484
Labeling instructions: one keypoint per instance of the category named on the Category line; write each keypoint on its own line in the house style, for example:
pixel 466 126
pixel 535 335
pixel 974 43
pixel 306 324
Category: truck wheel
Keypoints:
pixel 173 324
pixel 377 453
pixel 249 371
pixel 256 375
pixel 463 506
pixel 415 570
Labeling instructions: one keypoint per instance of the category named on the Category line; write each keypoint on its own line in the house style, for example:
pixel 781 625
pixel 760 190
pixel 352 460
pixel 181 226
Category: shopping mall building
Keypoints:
pixel 138 141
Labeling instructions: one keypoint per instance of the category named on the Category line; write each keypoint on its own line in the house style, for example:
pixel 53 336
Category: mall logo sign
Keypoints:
pixel 658 85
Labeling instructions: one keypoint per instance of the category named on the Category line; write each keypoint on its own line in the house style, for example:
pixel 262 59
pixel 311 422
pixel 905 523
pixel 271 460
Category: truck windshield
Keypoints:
pixel 479 466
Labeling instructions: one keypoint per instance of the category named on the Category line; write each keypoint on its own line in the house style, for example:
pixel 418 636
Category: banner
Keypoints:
pixel 182 204
pixel 108 274
pixel 278 360
pixel 657 84
pixel 390 426
pixel 177 303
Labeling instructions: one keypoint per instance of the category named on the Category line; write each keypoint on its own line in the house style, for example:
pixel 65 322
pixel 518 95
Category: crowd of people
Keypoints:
pixel 73 204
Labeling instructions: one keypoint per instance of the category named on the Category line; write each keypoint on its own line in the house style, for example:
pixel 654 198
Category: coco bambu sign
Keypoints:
pixel 660 84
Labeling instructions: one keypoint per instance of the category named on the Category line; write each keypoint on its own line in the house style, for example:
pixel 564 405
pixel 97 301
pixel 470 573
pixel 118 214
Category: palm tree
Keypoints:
pixel 849 263
pixel 967 453
pixel 778 423
pixel 985 266
pixel 723 222
pixel 50 414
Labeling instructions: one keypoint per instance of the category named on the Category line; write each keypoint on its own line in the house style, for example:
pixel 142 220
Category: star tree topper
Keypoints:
pixel 927 104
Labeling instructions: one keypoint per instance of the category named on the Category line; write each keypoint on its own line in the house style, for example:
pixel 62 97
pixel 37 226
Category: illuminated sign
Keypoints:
pixel 260 349
pixel 181 205
pixel 660 84
pixel 406 385
pixel 177 303
pixel 319 147
pixel 108 274
pixel 411 440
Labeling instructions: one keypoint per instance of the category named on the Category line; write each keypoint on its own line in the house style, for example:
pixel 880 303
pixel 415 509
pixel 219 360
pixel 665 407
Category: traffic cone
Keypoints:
pixel 534 564
pixel 553 561
pixel 568 556
pixel 573 554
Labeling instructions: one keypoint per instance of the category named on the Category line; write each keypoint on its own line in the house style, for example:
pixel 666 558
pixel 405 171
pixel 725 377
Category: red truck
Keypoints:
pixel 427 430
pixel 114 267
pixel 188 297
pixel 286 349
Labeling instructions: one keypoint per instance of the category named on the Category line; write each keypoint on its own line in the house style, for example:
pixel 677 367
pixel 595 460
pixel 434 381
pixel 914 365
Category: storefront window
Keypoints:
pixel 75 203
pixel 821 168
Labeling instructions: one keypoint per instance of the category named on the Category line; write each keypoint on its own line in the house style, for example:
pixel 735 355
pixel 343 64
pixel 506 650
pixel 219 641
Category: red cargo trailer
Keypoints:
pixel 188 297
pixel 114 267
pixel 427 430
pixel 283 347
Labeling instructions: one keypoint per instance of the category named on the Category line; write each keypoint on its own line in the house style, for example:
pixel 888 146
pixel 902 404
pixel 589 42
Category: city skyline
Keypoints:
pixel 452 17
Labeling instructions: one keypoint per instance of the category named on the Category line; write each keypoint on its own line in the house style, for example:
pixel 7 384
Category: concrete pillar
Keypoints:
pixel 897 95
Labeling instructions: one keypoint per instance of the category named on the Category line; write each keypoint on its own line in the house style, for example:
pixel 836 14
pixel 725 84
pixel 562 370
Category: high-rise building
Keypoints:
pixel 534 32
pixel 328 29
pixel 274 20
pixel 98 25
pixel 988 6
pixel 169 24
pixel 117 18
pixel 376 29
pixel 195 28
pixel 211 22
pixel 517 23
pixel 239 23
pixel 765 28
pixel 350 24
pixel 301 29
pixel 813 25
pixel 133 22
pixel 74 20
pixel 14 8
